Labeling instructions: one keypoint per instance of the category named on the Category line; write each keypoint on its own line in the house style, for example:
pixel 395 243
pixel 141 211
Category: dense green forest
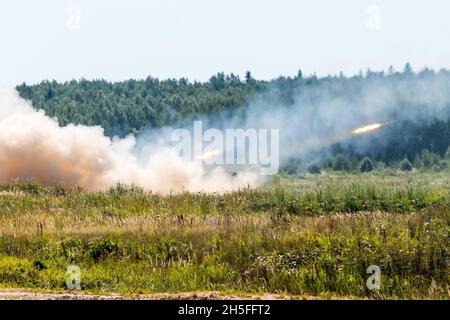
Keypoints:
pixel 135 105
pixel 129 106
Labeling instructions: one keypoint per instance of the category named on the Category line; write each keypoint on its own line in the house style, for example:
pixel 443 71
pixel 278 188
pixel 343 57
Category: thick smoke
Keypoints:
pixel 34 147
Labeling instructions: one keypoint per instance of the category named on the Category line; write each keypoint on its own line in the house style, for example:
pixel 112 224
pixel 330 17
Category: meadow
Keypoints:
pixel 301 235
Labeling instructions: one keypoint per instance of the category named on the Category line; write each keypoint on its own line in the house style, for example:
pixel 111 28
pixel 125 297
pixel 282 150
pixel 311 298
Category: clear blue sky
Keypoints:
pixel 119 40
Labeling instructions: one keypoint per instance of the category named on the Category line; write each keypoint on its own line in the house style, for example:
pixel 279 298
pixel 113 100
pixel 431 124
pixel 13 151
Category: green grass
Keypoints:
pixel 302 235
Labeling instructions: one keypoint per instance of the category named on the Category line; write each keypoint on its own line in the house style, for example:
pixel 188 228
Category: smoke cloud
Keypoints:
pixel 317 115
pixel 34 146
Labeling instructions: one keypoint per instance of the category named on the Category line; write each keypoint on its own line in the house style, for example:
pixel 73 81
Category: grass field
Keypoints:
pixel 297 235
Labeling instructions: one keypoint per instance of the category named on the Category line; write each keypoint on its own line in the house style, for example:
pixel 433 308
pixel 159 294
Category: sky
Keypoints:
pixel 119 40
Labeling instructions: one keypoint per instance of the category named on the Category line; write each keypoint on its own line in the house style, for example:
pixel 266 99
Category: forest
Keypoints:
pixel 134 106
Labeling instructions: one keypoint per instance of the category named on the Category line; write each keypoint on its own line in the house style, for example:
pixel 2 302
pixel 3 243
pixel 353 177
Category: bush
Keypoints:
pixel 341 163
pixel 121 189
pixel 442 165
pixel 291 170
pixel 292 166
pixel 405 165
pixel 366 165
pixel 38 264
pixel 314 169
pixel 427 159
pixel 102 248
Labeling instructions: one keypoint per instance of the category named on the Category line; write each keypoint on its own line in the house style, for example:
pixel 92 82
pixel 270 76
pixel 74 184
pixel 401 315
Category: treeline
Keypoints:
pixel 134 105
pixel 425 161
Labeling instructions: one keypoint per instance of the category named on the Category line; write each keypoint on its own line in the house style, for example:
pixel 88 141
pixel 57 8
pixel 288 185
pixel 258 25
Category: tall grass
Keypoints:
pixel 308 235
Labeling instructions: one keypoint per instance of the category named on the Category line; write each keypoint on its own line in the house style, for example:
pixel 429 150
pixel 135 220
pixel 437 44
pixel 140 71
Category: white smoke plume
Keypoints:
pixel 34 147
pixel 326 112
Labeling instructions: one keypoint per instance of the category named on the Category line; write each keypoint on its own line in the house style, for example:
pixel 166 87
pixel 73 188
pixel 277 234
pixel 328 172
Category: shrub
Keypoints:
pixel 341 163
pixel 427 159
pixel 405 165
pixel 33 188
pixel 314 169
pixel 121 189
pixel 292 166
pixel 102 248
pixel 442 165
pixel 366 165
pixel 72 248
pixel 38 264
pixel 291 170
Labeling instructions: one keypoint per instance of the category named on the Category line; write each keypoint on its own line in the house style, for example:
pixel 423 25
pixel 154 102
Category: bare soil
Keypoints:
pixel 24 294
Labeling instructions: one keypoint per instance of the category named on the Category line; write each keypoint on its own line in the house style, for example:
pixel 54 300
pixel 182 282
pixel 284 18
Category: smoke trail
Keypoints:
pixel 34 146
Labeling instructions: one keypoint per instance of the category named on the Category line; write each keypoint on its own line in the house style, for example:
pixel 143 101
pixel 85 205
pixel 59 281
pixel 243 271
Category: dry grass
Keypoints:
pixel 312 236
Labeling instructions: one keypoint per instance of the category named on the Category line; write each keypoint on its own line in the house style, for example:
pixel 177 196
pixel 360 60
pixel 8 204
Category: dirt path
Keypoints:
pixel 23 294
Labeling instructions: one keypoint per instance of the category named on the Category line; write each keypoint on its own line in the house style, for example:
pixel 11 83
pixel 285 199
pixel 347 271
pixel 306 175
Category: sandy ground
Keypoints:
pixel 23 294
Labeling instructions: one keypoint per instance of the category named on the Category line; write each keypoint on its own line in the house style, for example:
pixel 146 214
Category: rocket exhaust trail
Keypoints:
pixel 372 127
pixel 390 122
pixel 319 142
